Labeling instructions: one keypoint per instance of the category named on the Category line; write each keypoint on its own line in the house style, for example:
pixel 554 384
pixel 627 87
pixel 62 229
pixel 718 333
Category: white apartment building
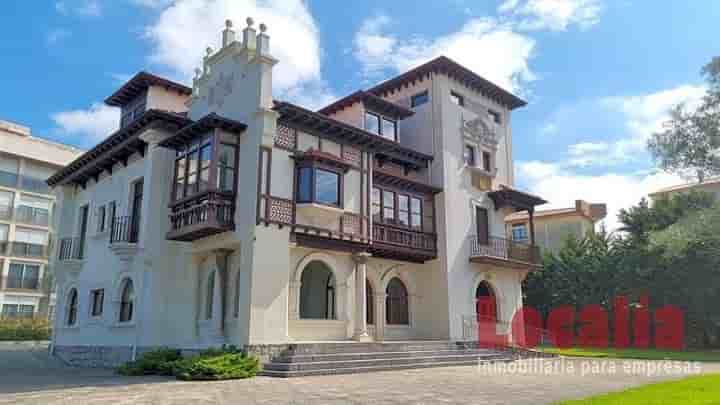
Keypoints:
pixel 26 211
pixel 217 214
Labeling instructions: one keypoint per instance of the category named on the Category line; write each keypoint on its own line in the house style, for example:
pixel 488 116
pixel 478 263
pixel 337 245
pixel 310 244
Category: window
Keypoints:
pixel 83 230
pixel 317 292
pixel 327 187
pixel 419 99
pixel 457 99
pixel 389 207
pixel 396 304
pixel 33 210
pixel 205 160
pixel 389 129
pixel 487 161
pixel 403 210
pixel 382 126
pixel 226 167
pixel 415 213
pixel 96 301
pixel 495 116
pixel 127 301
pixel 372 123
pixel 18 311
pixel 111 208
pixel 23 275
pixel 318 185
pixel 209 298
pixel 376 204
pixel 237 295
pixel 6 203
pixel 136 210
pixel 72 307
pixel 101 217
pixel 369 303
pixel 519 232
pixel 469 155
pixel 4 232
pixel 482 225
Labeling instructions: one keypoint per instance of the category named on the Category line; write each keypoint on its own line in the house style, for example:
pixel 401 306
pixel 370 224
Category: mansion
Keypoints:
pixel 217 214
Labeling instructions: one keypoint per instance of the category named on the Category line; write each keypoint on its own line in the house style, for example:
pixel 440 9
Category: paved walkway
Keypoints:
pixel 27 376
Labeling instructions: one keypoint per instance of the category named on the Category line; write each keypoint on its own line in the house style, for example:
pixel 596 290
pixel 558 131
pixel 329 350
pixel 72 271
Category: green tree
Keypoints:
pixel 691 139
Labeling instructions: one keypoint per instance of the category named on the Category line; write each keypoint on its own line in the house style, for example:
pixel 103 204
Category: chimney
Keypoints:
pixel 263 41
pixel 249 35
pixel 228 35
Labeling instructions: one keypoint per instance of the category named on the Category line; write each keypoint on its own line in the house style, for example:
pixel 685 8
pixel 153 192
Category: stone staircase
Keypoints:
pixel 306 359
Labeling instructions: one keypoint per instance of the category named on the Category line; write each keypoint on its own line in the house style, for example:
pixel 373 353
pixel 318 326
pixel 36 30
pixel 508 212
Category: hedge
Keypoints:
pixel 24 329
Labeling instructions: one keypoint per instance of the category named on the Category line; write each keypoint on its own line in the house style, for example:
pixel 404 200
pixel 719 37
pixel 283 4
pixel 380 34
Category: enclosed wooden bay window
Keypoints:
pixel 319 179
pixel 205 178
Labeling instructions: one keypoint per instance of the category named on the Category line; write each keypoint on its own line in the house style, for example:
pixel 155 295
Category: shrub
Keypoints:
pixel 158 361
pixel 24 329
pixel 223 366
pixel 211 364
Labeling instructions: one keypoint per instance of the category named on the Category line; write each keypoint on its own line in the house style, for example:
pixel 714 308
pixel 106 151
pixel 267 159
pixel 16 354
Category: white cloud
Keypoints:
pixel 152 3
pixel 182 31
pixel 86 8
pixel 87 127
pixel 549 129
pixel 555 15
pixel 561 187
pixel 483 45
pixel 57 35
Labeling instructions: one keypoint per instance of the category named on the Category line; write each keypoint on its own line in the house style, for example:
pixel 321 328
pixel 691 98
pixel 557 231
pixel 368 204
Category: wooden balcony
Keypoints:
pixel 202 215
pixel 393 242
pixel 504 252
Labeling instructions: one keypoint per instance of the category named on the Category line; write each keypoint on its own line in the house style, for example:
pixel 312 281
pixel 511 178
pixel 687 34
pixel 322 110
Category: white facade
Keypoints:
pixel 26 208
pixel 287 266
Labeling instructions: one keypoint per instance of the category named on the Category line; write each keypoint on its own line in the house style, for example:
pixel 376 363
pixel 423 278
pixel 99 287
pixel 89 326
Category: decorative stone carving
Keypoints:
pixel 480 131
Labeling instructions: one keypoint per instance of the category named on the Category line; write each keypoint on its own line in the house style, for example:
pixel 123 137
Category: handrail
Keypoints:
pixel 23 249
pixel 70 249
pixel 124 229
pixel 404 237
pixel 217 206
pixel 505 249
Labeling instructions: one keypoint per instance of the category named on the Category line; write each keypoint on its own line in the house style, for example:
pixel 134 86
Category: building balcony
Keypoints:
pixel 32 216
pixel 202 215
pixel 19 284
pixel 504 252
pixel 8 179
pixel 71 249
pixel 34 185
pixel 124 230
pixel 5 212
pixel 399 243
pixel 29 250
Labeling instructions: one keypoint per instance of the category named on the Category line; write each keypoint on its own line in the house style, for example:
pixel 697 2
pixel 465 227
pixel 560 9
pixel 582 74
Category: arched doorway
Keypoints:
pixel 396 304
pixel 485 303
pixel 317 292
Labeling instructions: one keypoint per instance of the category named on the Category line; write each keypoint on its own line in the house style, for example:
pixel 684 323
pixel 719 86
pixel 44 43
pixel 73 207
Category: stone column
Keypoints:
pixel 219 292
pixel 380 315
pixel 361 334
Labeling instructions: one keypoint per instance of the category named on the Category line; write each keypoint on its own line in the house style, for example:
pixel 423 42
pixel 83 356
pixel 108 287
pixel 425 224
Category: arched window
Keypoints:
pixel 237 295
pixel 485 305
pixel 72 307
pixel 127 301
pixel 396 303
pixel 317 292
pixel 210 294
pixel 369 303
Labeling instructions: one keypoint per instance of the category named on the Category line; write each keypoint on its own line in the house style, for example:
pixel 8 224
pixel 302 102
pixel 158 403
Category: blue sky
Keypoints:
pixel 599 75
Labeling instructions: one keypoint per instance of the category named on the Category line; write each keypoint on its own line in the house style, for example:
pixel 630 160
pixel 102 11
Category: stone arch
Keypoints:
pixel 477 281
pixel 127 300
pixel 396 272
pixel 318 292
pixel 327 259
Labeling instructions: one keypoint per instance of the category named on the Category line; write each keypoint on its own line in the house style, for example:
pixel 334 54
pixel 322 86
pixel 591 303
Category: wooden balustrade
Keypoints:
pixel 492 247
pixel 199 216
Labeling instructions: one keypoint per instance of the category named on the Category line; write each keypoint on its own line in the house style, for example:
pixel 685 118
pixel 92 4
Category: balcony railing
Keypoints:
pixel 34 185
pixel 503 249
pixel 124 229
pixel 199 216
pixel 21 283
pixel 30 250
pixel 404 243
pixel 70 249
pixel 5 211
pixel 8 179
pixel 31 215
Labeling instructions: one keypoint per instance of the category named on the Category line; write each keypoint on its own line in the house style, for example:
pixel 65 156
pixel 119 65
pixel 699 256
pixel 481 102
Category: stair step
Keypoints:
pixel 377 362
pixel 367 369
pixel 349 347
pixel 379 355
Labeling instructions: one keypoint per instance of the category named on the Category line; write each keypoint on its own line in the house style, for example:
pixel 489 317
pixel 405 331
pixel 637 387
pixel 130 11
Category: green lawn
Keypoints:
pixel 648 354
pixel 698 390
